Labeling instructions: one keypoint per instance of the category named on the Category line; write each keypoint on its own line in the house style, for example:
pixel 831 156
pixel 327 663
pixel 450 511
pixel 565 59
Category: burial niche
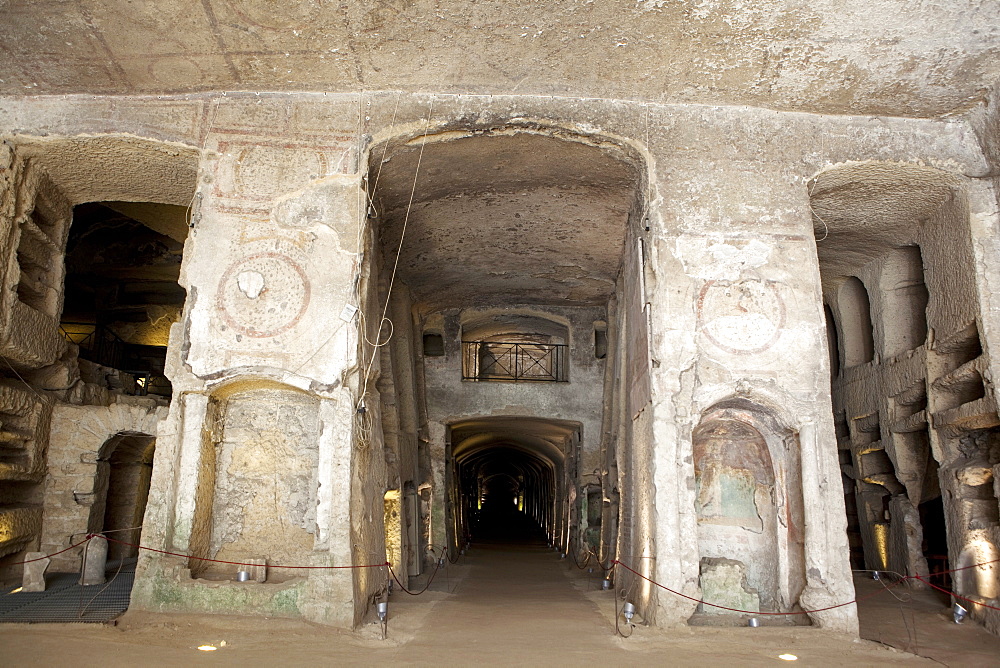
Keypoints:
pixel 737 516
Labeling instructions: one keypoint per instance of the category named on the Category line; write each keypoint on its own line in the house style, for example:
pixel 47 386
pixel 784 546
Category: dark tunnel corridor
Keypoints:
pixel 507 481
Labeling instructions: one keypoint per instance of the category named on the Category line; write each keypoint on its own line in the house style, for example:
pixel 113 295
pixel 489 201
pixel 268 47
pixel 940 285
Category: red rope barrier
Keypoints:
pixel 956 570
pixel 968 600
pixel 832 607
pixel 614 562
pixel 753 612
pixel 47 556
pixel 234 563
pixel 426 586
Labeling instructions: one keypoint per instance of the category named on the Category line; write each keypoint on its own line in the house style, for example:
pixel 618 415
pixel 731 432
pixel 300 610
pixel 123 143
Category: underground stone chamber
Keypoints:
pixel 919 416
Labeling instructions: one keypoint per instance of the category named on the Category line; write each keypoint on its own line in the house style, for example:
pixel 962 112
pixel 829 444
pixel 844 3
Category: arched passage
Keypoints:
pixel 506 257
pixel 512 479
pixel 124 471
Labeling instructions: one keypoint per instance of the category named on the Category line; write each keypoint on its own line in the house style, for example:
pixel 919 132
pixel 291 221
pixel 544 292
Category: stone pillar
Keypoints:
pixel 34 571
pixel 438 450
pixel 95 557
pixel 734 296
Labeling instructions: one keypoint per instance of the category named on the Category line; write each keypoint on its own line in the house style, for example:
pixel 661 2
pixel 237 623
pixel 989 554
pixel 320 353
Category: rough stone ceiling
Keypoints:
pixel 861 211
pixel 541 437
pixel 505 219
pixel 896 57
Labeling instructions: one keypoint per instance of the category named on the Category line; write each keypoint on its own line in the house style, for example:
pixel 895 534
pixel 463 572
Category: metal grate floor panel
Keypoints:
pixel 65 601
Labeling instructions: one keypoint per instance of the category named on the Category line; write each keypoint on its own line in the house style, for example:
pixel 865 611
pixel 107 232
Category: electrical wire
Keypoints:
pixel 83 608
pixel 399 252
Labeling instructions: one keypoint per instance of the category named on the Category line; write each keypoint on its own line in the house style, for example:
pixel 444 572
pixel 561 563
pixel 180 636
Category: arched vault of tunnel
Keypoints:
pixel 511 215
pixel 528 459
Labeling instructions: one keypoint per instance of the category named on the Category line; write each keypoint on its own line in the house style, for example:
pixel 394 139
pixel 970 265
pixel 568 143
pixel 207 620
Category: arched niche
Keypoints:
pixel 856 323
pixel 257 492
pixel 904 300
pixel 748 504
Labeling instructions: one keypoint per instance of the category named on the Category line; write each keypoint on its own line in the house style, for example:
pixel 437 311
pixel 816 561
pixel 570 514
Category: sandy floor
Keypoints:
pixel 498 606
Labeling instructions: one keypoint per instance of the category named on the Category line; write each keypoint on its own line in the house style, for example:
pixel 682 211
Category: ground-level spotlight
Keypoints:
pixel 605 584
pixel 629 611
pixel 382 608
pixel 562 555
pixel 958 613
pixel 876 575
pixel 441 562
pixel 753 622
pixel 788 657
pixel 207 648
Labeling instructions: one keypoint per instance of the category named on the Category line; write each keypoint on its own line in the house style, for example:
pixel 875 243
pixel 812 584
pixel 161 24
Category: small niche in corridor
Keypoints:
pixel 743 548
pixel 263 495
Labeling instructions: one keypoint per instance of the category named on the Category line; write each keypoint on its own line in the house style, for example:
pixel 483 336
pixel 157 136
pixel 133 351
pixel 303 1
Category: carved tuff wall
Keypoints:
pixel 721 301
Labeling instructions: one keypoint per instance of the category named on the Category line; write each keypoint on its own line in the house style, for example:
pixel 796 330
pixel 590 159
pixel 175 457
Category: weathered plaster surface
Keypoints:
pixel 732 295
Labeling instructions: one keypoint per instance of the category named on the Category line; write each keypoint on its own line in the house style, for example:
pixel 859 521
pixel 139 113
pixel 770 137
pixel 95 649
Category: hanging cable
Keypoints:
pixel 399 252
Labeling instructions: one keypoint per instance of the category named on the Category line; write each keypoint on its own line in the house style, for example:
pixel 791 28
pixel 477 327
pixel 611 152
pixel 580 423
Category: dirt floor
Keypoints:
pixel 502 605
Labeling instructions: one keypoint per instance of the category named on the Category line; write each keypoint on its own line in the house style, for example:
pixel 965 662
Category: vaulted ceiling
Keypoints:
pixel 896 57
pixel 501 218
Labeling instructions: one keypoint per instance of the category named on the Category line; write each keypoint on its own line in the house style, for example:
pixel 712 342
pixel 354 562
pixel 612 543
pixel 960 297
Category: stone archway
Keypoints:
pixel 81 436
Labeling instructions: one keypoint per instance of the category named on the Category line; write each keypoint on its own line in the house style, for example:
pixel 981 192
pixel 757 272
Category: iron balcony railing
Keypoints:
pixel 509 361
pixel 100 345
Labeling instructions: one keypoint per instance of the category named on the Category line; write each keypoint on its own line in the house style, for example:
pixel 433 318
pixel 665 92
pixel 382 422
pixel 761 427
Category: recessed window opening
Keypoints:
pixel 433 345
pixel 122 295
pixel 600 340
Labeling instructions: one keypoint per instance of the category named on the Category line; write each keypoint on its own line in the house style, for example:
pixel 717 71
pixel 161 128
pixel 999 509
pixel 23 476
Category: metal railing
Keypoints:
pixel 100 345
pixel 512 361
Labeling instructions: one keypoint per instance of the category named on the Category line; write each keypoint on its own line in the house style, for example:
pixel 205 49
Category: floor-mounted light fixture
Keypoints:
pixel 382 608
pixel 959 613
pixel 629 611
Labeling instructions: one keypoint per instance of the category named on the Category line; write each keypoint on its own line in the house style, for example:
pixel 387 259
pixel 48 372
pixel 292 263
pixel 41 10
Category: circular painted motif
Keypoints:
pixel 741 316
pixel 263 295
